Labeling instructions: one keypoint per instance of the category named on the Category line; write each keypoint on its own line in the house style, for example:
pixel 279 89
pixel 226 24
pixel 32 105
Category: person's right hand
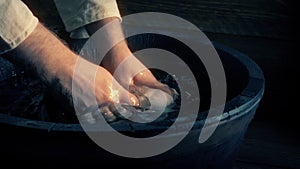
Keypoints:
pixel 54 63
pixel 92 83
pixel 106 88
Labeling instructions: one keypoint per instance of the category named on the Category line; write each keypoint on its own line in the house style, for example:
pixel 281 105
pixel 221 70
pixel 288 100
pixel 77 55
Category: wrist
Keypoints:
pixel 115 56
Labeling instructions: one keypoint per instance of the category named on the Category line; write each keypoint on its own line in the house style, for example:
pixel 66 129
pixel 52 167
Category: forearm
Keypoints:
pixel 114 33
pixel 47 56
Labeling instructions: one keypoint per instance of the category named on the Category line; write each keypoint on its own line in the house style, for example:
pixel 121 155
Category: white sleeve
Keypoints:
pixel 17 23
pixel 77 13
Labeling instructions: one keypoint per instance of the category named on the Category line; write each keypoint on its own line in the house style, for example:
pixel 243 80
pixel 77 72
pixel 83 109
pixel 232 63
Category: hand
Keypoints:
pixel 129 71
pixel 120 53
pixel 94 83
pixel 90 79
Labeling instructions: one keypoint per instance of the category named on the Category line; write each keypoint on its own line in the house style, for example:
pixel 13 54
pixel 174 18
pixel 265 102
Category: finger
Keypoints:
pixel 146 78
pixel 106 112
pixel 128 98
pixel 143 90
pixel 118 94
pixel 139 92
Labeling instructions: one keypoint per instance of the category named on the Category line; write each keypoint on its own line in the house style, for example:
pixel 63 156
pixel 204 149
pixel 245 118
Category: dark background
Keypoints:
pixel 266 31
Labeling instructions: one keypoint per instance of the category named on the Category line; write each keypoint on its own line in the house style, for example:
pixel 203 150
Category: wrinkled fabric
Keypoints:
pixel 17 23
pixel 76 14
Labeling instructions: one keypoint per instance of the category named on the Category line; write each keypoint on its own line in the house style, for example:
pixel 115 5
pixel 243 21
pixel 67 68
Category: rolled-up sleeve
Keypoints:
pixel 76 14
pixel 16 23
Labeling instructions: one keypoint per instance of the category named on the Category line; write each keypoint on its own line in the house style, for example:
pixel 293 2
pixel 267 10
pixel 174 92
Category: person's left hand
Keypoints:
pixel 132 74
pixel 121 62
